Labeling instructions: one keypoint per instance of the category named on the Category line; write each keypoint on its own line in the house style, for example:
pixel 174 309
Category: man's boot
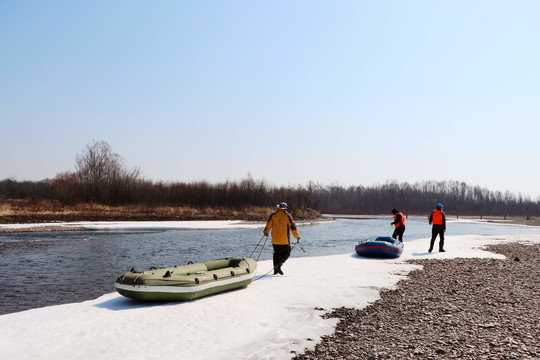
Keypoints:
pixel 441 246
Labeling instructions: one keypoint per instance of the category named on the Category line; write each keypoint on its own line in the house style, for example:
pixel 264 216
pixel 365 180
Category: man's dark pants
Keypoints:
pixel 281 254
pixel 398 232
pixel 437 230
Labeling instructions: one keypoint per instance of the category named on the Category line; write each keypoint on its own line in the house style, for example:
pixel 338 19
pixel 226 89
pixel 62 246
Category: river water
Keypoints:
pixel 51 268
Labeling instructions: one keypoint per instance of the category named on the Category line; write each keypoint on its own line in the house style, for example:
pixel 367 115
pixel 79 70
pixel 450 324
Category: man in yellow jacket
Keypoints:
pixel 282 224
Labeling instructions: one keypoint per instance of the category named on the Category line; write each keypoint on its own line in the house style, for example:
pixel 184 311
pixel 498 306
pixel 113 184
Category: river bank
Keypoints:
pixel 48 217
pixel 519 221
pixel 25 215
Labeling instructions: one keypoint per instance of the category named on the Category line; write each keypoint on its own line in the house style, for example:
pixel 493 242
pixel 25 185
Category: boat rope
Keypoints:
pixel 262 247
pixel 297 243
pixel 301 247
pixel 264 275
pixel 136 278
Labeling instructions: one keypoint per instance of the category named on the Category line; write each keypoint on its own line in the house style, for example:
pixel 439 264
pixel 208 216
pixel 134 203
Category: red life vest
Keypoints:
pixel 402 223
pixel 437 217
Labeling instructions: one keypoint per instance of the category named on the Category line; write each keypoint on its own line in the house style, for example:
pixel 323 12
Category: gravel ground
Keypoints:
pixel 451 309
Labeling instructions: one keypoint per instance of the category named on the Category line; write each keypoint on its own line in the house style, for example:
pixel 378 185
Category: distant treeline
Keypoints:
pixel 102 178
pixel 417 199
pixel 420 198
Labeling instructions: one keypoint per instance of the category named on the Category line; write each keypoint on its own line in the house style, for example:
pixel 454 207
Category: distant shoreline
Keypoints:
pixel 49 225
pixel 509 220
pixel 32 229
pixel 47 216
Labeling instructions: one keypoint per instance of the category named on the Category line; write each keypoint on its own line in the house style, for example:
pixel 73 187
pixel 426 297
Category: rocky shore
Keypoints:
pixel 451 309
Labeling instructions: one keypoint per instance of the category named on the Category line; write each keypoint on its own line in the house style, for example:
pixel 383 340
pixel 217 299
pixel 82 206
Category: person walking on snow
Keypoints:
pixel 281 224
pixel 399 223
pixel 438 219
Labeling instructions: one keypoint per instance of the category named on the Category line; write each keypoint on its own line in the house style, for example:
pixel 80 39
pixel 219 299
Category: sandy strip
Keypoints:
pixel 4 230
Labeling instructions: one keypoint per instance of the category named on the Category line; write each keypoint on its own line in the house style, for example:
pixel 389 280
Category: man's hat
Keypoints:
pixel 282 206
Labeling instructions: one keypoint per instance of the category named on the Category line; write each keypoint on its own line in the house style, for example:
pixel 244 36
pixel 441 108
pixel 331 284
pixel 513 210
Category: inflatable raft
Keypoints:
pixel 383 246
pixel 192 281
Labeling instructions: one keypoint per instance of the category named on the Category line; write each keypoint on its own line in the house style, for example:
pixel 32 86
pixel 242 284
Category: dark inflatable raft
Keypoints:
pixel 381 247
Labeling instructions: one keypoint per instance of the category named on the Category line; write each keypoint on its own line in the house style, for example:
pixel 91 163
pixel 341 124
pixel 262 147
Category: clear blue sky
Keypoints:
pixel 347 92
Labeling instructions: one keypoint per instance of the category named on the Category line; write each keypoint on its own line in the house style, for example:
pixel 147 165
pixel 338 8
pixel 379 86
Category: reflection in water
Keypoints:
pixel 52 268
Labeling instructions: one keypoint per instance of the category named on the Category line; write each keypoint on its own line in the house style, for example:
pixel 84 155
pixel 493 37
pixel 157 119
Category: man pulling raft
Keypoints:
pixel 281 224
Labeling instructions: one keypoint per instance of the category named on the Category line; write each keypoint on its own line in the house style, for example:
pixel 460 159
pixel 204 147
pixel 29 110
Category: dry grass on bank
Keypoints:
pixel 21 211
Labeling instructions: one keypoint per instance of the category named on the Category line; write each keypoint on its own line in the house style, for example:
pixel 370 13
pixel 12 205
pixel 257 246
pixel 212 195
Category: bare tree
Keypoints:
pixel 103 176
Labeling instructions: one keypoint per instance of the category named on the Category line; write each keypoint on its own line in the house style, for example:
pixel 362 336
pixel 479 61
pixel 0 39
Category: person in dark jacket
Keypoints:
pixel 281 224
pixel 399 224
pixel 438 219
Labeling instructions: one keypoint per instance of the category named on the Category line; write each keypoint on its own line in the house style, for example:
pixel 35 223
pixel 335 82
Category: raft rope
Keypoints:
pixel 262 247
pixel 263 275
pixel 297 243
pixel 301 247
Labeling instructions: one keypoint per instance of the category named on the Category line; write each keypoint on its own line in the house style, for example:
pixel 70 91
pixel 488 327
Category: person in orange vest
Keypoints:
pixel 438 219
pixel 399 224
pixel 281 224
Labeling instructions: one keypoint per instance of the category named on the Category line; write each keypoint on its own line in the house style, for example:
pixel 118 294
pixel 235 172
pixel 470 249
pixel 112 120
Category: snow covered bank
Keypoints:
pixel 144 225
pixel 139 225
pixel 267 320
